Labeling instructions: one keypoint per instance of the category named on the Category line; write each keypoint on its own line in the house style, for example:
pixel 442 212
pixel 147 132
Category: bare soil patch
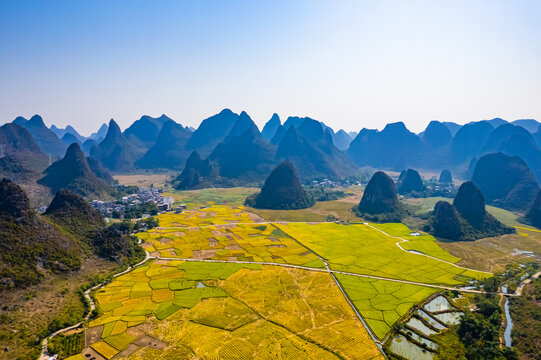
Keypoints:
pixel 150 342
pixel 93 335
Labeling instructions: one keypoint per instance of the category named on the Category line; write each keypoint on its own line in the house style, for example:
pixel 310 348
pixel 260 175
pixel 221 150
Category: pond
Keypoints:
pixel 431 320
pixel 418 325
pixel 450 318
pixel 401 346
pixel 431 344
pixel 439 303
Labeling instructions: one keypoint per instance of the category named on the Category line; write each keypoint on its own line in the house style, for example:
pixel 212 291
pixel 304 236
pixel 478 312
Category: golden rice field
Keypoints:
pixel 258 321
pixel 170 308
pixel 195 198
pixel 183 236
pixel 362 249
pixel 222 311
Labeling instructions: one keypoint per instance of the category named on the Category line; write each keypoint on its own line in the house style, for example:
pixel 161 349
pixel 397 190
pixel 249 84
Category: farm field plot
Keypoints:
pixel 171 308
pixel 220 196
pixel 158 290
pixel 423 243
pixel 380 302
pixel 157 180
pixel 242 242
pixel 176 309
pixel 211 215
pixel 364 250
pixel 273 312
pixel 493 254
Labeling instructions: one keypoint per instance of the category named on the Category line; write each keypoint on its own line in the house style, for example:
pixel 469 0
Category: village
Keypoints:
pixel 146 202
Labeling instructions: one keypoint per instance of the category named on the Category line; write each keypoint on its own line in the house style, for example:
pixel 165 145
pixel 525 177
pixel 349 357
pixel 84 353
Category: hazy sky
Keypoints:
pixel 350 64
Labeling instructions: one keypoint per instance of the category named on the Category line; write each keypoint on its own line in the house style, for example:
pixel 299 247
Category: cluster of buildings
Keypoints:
pixel 326 183
pixel 153 195
pixel 143 196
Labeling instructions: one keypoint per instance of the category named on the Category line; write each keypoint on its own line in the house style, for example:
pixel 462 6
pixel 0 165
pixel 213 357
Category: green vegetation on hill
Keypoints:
pixel 75 216
pixel 526 314
pixel 58 241
pixel 73 172
pixel 28 241
pixel 467 218
pixel 282 190
pixel 410 182
pixel 380 201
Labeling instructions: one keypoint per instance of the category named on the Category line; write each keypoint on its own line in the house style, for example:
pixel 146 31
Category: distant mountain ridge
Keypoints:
pixel 68 130
pixel 505 181
pixel 146 129
pixel 20 156
pixel 47 140
pixel 116 152
pixel 74 173
pixel 169 150
pixel 233 144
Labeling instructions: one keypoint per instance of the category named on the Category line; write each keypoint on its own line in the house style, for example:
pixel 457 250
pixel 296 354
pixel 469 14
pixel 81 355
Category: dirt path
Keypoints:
pixel 418 252
pixel 526 282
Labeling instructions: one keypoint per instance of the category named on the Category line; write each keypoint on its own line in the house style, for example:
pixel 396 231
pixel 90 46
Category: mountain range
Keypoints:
pixel 75 172
pixel 20 155
pixel 240 153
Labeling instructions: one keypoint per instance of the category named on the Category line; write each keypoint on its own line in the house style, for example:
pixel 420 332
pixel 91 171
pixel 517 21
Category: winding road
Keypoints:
pixel 44 351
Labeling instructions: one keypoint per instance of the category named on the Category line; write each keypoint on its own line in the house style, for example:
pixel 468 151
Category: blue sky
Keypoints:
pixel 350 64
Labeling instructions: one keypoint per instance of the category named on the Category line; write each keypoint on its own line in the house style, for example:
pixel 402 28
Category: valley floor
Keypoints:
pixel 225 281
pixel 278 281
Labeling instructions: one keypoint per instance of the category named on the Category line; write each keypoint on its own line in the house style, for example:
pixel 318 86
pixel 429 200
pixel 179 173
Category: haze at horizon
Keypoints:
pixel 348 64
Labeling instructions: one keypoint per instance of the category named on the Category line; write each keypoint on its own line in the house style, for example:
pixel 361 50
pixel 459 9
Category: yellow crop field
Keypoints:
pixel 305 302
pixel 183 236
pixel 273 312
pixel 423 243
pixel 130 299
pixel 228 311
pixel 211 215
pixel 363 249
pixel 104 349
pixel 224 284
pixel 222 196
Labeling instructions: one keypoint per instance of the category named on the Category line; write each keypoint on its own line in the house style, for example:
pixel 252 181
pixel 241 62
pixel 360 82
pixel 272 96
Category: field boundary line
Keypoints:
pixel 421 253
pixel 328 270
